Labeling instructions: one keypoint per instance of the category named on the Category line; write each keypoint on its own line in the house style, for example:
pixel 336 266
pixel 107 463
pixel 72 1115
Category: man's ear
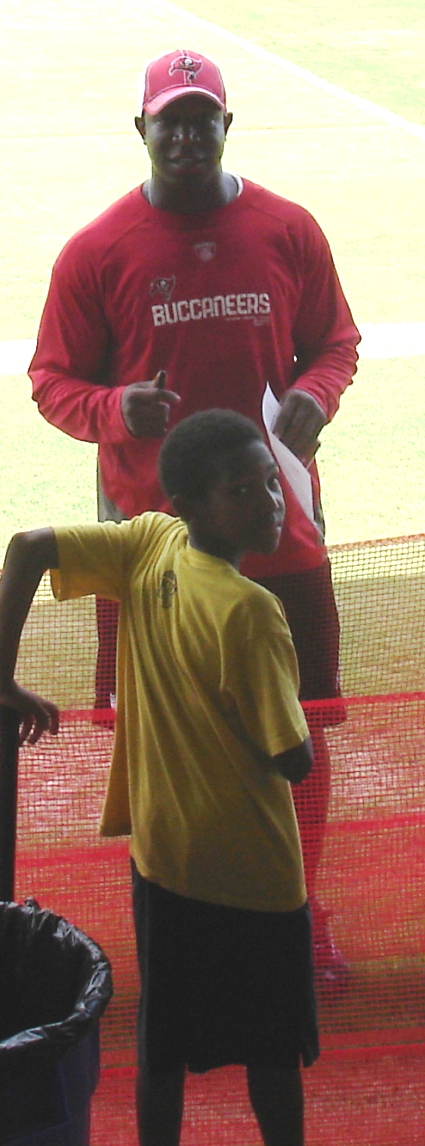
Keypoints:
pixel 140 125
pixel 228 119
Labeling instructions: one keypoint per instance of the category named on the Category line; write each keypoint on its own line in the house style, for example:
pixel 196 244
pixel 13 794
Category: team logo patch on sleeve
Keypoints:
pixel 163 287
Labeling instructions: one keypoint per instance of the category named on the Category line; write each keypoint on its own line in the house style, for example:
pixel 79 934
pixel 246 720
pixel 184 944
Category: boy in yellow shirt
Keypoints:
pixel 209 732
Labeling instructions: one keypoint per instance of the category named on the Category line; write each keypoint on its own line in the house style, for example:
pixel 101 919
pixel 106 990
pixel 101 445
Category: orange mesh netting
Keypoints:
pixel 368 1087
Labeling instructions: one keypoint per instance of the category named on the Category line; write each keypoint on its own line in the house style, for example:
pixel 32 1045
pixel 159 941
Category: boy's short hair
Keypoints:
pixel 188 461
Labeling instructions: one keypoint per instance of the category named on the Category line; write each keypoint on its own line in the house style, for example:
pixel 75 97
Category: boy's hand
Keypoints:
pixel 37 715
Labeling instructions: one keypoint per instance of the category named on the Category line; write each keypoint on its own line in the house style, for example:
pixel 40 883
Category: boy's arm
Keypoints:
pixel 294 764
pixel 29 555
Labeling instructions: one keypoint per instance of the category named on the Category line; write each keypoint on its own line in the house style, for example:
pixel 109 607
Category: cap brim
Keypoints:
pixel 160 101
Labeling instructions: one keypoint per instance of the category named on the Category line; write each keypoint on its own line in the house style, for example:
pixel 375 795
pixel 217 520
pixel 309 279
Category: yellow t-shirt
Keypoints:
pixel 207 675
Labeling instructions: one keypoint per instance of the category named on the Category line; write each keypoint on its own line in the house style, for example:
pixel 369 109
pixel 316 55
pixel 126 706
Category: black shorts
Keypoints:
pixel 222 985
pixel 309 603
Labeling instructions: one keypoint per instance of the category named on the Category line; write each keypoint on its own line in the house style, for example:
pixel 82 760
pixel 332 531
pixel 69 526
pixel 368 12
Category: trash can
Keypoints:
pixel 54 985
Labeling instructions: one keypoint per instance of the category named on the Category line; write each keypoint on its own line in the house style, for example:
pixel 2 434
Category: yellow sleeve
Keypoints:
pixel 96 558
pixel 261 675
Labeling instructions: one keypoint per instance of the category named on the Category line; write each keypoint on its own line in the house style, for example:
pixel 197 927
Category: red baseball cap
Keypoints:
pixel 178 74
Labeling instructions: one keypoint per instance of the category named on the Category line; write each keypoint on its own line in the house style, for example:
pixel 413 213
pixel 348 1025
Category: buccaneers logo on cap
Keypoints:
pixel 188 66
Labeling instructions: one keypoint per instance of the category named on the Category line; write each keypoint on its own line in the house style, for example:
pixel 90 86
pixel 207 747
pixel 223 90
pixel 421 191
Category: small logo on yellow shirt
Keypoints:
pixel 167 588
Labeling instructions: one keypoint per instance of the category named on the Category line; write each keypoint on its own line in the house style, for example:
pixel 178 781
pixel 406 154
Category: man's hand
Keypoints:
pixel 145 407
pixel 299 422
pixel 37 715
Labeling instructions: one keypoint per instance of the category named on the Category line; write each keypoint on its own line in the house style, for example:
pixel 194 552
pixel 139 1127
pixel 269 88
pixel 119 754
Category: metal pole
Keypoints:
pixel 9 733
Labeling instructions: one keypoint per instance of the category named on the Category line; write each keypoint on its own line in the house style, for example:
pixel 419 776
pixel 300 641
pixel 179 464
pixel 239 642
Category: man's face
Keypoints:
pixel 244 510
pixel 185 140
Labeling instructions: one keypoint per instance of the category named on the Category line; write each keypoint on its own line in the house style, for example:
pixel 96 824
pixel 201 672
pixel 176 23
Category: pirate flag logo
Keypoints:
pixel 163 287
pixel 188 66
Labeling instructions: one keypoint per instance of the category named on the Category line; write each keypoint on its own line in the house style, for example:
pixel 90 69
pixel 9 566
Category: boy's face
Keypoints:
pixel 244 510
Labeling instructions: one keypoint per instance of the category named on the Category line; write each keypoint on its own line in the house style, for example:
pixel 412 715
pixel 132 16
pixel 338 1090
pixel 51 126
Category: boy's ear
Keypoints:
pixel 183 507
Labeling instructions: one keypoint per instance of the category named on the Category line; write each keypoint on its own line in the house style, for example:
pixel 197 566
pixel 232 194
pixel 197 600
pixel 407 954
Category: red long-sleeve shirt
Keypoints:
pixel 223 301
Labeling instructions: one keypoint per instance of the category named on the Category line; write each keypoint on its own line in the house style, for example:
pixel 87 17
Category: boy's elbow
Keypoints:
pixel 16 549
pixel 36 549
pixel 296 763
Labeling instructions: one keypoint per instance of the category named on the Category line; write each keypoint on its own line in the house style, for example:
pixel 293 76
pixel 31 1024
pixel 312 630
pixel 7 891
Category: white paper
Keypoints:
pixel 296 474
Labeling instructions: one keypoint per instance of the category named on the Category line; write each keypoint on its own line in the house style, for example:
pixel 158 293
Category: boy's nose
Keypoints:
pixel 269 501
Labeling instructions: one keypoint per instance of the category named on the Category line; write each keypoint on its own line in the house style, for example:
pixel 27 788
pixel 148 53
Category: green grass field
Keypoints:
pixel 374 48
pixel 70 148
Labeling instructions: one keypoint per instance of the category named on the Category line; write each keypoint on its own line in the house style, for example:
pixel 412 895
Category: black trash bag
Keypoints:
pixel 55 983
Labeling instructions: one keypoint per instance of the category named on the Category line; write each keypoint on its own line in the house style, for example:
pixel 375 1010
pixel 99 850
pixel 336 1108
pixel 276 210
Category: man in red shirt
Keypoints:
pixel 192 292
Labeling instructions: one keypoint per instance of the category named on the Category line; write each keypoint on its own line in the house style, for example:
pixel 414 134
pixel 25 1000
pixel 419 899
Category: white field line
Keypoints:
pixel 270 58
pixel 379 340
